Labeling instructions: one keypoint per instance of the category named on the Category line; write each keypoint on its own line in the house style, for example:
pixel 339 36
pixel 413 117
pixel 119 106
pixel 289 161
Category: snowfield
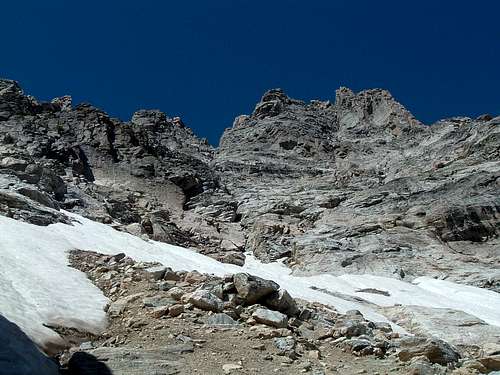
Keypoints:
pixel 37 287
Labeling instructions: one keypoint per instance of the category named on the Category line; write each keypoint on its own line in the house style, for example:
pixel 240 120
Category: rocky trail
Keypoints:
pixel 323 237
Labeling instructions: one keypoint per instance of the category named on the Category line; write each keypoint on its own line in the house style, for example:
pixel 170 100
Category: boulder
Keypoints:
pixel 491 362
pixel 156 272
pixel 270 318
pixel 435 350
pixel 171 275
pixel 252 288
pixel 285 345
pixel 283 302
pixel 205 300
pixel 176 293
pixel 194 277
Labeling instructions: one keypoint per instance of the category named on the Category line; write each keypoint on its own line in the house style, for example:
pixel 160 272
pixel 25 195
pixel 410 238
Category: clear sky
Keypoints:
pixel 209 61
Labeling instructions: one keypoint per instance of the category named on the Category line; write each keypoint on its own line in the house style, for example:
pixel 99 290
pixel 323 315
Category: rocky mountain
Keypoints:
pixel 358 186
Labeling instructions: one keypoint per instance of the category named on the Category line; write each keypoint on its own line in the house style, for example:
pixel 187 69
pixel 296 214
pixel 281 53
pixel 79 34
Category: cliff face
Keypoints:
pixel 355 186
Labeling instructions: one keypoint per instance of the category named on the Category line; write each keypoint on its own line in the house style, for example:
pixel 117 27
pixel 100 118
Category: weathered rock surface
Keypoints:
pixel 353 186
pixel 129 361
pixel 357 185
pixel 389 195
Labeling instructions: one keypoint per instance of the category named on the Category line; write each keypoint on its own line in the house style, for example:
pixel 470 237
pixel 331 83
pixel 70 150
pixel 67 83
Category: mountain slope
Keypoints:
pixel 363 206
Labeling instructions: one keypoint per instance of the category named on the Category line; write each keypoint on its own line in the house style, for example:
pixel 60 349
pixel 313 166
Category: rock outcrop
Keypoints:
pixel 358 185
pixel 353 186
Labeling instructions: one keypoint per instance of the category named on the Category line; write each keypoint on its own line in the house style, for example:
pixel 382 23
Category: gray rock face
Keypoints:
pixel 354 186
pixel 379 192
pixel 130 361
pixel 357 185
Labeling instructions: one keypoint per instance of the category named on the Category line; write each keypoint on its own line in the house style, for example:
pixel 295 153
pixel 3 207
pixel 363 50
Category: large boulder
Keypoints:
pixel 435 350
pixel 252 288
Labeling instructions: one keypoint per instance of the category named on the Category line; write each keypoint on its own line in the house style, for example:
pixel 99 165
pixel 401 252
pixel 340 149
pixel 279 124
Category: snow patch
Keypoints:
pixel 37 287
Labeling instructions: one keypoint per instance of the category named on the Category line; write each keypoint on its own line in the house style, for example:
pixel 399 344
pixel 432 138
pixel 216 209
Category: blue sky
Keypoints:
pixel 209 61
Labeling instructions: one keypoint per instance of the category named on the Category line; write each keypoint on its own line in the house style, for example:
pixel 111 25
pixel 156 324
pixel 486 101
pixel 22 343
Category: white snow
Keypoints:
pixel 37 287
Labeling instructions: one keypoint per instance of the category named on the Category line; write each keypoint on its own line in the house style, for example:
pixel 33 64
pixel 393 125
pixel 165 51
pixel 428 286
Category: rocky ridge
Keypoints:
pixel 355 186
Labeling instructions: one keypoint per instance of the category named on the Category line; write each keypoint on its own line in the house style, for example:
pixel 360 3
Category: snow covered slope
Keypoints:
pixel 37 287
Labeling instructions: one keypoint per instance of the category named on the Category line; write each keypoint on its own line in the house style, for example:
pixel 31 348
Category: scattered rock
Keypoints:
pixel 270 318
pixel 205 300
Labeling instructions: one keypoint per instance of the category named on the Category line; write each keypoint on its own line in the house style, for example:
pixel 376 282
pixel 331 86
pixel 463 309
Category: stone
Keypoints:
pixel 176 310
pixel 176 293
pixel 314 354
pixel 134 229
pixel 252 288
pixel 215 287
pixel 270 318
pixel 156 272
pixel 221 319
pixel 474 365
pixel 435 350
pixel 285 345
pixel 357 345
pixel 283 302
pixel 170 275
pixel 229 368
pixel 351 328
pixel 194 277
pixel 13 163
pixel 160 311
pixel 205 300
pixel 166 359
pixel 492 363
pixel 117 307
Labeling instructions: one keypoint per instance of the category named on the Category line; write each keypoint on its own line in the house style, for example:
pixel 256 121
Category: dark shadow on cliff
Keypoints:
pixel 82 363
pixel 19 355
